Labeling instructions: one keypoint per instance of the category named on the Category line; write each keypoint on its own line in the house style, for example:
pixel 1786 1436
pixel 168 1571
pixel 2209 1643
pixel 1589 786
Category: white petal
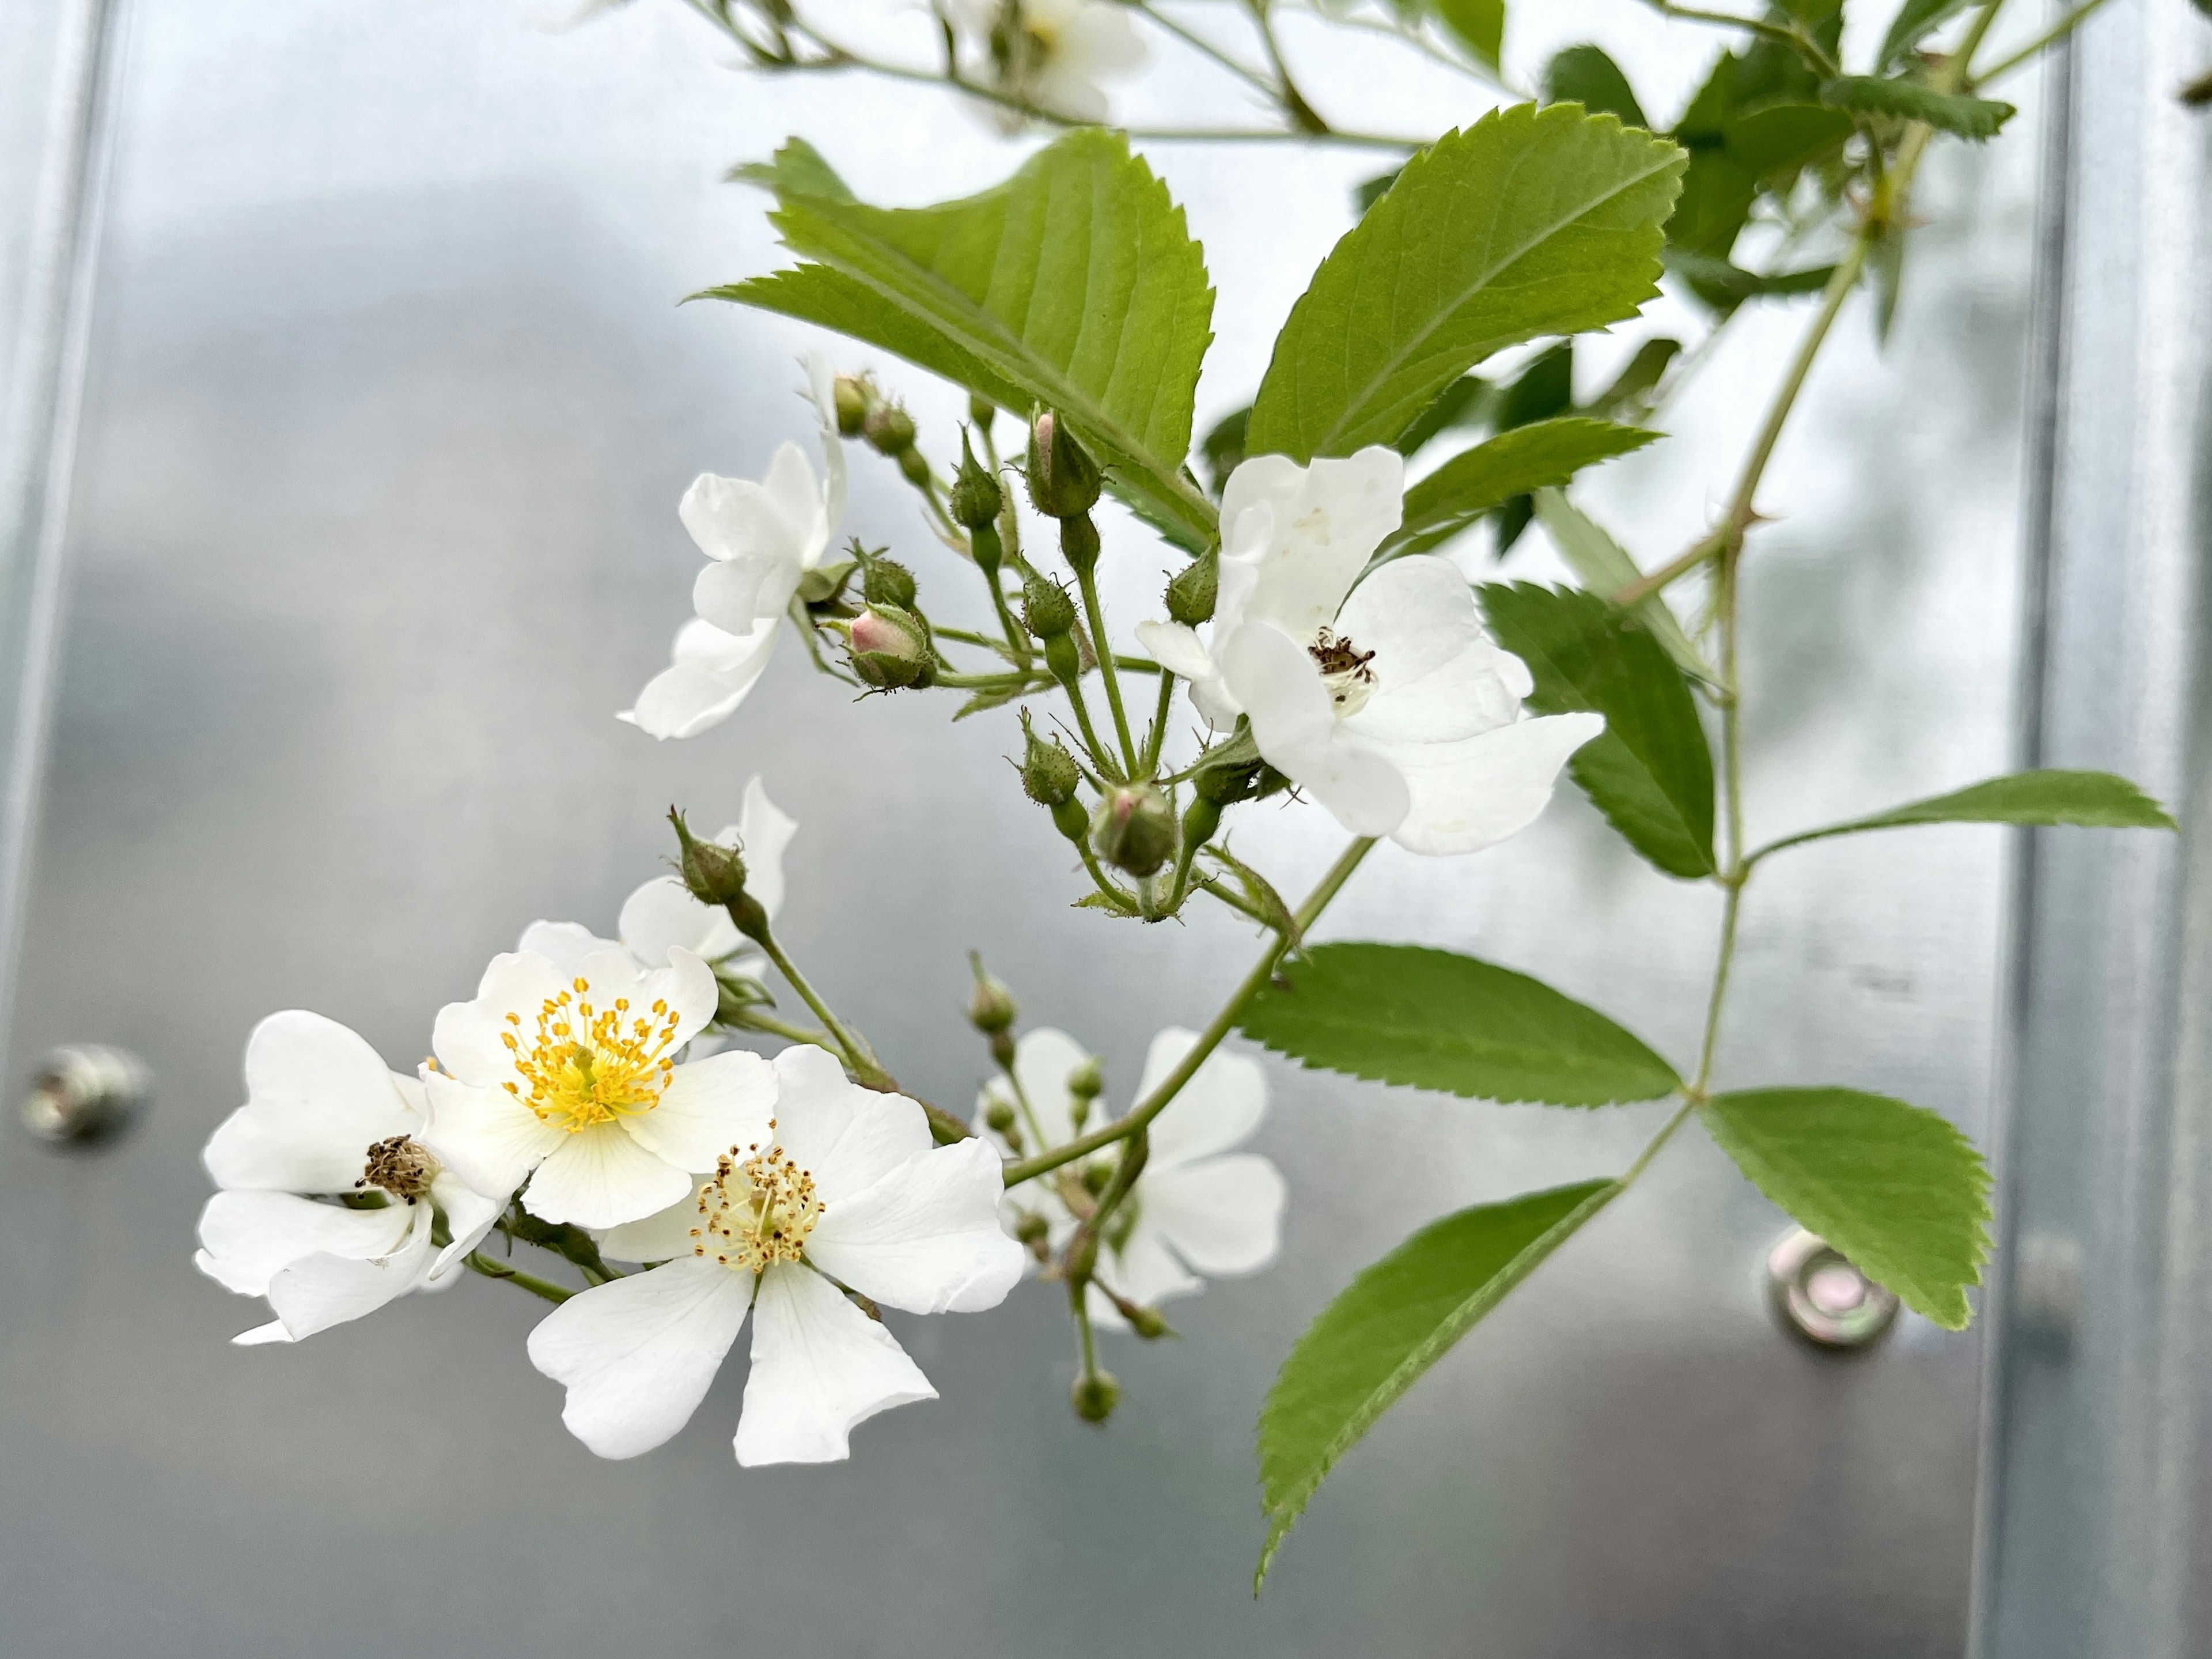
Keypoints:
pixel 661 915
pixel 565 945
pixel 790 484
pixel 318 1291
pixel 764 831
pixel 318 1096
pixel 709 1107
pixel 821 1368
pixel 249 1237
pixel 1438 675
pixel 925 1237
pixel 846 1137
pixel 1175 648
pixel 1099 40
pixel 1475 792
pixel 601 1178
pixel 470 1038
pixel 692 695
pixel 1295 725
pixel 1144 1270
pixel 735 520
pixel 1222 1216
pixel 469 1217
pixel 637 1354
pixel 661 1236
pixel 1246 535
pixel 1222 1103
pixel 260 1335
pixel 1329 518
pixel 685 983
pixel 487 1137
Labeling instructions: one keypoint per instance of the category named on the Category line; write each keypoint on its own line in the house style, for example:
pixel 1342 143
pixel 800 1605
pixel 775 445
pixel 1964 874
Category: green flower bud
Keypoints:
pixel 1147 1322
pixel 1064 480
pixel 976 497
pixel 1095 1177
pixel 1088 1080
pixel 999 1117
pixel 1047 608
pixel 890 648
pixel 1200 820
pixel 1191 594
pixel 1134 829
pixel 992 1008
pixel 1071 820
pixel 886 581
pixel 853 397
pixel 1078 543
pixel 1049 775
pixel 914 467
pixel 1095 1395
pixel 1032 1229
pixel 714 873
pixel 980 411
pixel 889 429
pixel 825 583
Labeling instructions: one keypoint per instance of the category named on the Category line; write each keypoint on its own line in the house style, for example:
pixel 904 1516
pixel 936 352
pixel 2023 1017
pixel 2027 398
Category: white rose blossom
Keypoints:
pixel 761 539
pixel 660 915
pixel 826 1187
pixel 569 1080
pixel 325 1121
pixel 1052 54
pixel 1387 701
pixel 1196 1209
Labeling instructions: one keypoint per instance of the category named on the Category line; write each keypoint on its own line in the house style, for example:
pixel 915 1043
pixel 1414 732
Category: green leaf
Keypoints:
pixel 1602 566
pixel 1433 1019
pixel 1515 462
pixel 1388 1326
pixel 1953 111
pixel 1545 388
pixel 1587 75
pixel 1368 192
pixel 1468 401
pixel 1915 22
pixel 1073 285
pixel 1724 286
pixel 1222 447
pixel 1652 772
pixel 2092 800
pixel 1736 156
pixel 798 169
pixel 1480 25
pixel 1638 378
pixel 1530 222
pixel 1895 1186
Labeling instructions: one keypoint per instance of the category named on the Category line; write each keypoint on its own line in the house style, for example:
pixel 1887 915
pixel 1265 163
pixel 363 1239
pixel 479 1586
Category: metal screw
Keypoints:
pixel 1822 1298
pixel 85 1092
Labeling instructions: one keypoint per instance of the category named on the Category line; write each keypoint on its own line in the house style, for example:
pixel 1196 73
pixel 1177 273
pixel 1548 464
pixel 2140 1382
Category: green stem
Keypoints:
pixel 1094 616
pixel 1205 48
pixel 858 1059
pixel 1229 896
pixel 1154 1103
pixel 1120 900
pixel 1796 39
pixel 491 1267
pixel 2043 42
pixel 1156 738
pixel 1300 113
pixel 753 1020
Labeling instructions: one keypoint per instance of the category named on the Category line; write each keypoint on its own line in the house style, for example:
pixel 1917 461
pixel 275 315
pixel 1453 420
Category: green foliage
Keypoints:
pixel 1479 25
pixel 1952 111
pixel 1603 567
pixel 1468 401
pixel 1434 1019
pixel 1392 1323
pixel 1724 286
pixel 1587 75
pixel 1074 285
pixel 1739 152
pixel 799 169
pixel 1513 464
pixel 1222 447
pixel 1638 378
pixel 1530 222
pixel 1545 389
pixel 1915 22
pixel 1895 1186
pixel 1652 772
pixel 2092 800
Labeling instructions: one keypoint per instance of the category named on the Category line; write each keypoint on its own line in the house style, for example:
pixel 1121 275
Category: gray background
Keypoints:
pixel 387 412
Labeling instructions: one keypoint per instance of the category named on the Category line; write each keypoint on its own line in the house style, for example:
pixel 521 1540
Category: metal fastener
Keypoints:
pixel 1822 1298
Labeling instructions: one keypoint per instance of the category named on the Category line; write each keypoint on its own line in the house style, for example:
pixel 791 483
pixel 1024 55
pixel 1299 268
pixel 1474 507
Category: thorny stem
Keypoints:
pixel 1154 1103
pixel 1156 737
pixel 1096 750
pixel 1115 896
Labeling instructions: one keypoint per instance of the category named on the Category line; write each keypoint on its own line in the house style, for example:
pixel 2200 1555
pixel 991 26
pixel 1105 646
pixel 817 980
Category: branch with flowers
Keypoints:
pixel 594 1102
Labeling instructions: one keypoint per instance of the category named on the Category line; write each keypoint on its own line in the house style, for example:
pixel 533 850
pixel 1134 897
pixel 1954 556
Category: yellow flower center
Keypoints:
pixel 586 1065
pixel 756 1211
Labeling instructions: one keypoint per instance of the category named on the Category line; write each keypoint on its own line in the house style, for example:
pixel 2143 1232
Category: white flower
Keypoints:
pixel 1196 1208
pixel 761 538
pixel 325 1121
pixel 1052 53
pixel 1392 707
pixel 569 1080
pixel 841 1186
pixel 660 915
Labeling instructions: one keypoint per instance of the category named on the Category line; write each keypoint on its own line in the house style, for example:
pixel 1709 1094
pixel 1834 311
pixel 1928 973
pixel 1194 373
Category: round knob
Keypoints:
pixel 85 1092
pixel 1822 1298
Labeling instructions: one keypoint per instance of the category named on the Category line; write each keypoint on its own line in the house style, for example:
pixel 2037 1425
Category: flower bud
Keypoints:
pixel 891 649
pixel 1088 1081
pixel 1134 829
pixel 1046 607
pixel 1063 480
pixel 1191 594
pixel 1095 1395
pixel 992 1008
pixel 1078 543
pixel 886 581
pixel 1145 1321
pixel 914 467
pixel 1049 775
pixel 980 411
pixel 1033 1231
pixel 1095 1177
pixel 976 497
pixel 853 396
pixel 715 874
pixel 999 1117
pixel 889 429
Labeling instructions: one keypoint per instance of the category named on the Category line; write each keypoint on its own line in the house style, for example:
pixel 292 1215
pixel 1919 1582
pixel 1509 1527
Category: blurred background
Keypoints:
pixel 349 406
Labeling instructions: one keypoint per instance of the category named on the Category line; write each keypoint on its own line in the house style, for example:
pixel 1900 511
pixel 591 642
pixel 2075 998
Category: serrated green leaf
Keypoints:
pixel 1392 1323
pixel 1652 771
pixel 1638 378
pixel 1915 22
pixel 1468 401
pixel 1737 155
pixel 1724 286
pixel 1602 566
pixel 1434 1019
pixel 1368 192
pixel 797 169
pixel 1222 447
pixel 1587 75
pixel 1952 111
pixel 1530 222
pixel 1516 462
pixel 2091 801
pixel 1073 285
pixel 1893 1186
pixel 1479 26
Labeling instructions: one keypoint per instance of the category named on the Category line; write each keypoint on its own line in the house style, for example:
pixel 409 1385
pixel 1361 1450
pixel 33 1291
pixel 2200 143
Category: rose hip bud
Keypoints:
pixel 1046 607
pixel 1134 829
pixel 853 397
pixel 1049 775
pixel 1095 1397
pixel 1064 480
pixel 889 429
pixel 891 649
pixel 715 874
pixel 991 1008
pixel 886 581
pixel 1191 594
pixel 976 497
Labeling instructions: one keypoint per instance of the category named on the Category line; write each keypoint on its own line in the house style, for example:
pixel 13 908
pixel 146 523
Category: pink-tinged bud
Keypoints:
pixel 890 649
pixel 1134 829
pixel 1063 479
